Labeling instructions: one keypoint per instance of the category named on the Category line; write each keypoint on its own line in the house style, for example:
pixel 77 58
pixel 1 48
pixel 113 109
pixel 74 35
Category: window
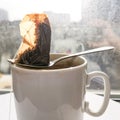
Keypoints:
pixel 76 26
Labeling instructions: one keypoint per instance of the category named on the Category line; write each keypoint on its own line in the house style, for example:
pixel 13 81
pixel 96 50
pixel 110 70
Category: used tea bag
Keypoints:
pixel 35 47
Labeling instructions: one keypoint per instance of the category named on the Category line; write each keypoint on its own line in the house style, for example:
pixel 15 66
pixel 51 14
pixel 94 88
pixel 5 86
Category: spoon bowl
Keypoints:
pixel 54 62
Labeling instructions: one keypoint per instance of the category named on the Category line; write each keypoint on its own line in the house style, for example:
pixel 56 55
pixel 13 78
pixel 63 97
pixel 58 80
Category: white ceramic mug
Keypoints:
pixel 57 93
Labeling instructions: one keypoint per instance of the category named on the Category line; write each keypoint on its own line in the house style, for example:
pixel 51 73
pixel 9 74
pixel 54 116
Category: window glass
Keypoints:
pixel 76 26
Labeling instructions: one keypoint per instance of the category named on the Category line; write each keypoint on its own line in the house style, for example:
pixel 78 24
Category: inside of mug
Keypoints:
pixel 69 62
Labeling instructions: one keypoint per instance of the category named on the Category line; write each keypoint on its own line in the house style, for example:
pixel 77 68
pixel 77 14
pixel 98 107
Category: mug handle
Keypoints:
pixel 105 78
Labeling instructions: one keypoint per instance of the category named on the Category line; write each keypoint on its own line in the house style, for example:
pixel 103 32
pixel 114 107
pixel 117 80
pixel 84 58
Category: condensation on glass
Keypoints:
pixel 99 25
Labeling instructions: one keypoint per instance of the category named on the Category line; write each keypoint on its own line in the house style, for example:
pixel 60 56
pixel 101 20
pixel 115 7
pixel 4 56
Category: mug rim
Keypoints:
pixel 51 70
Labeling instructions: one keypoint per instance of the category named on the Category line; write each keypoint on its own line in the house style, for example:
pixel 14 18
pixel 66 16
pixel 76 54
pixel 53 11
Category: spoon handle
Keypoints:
pixel 84 53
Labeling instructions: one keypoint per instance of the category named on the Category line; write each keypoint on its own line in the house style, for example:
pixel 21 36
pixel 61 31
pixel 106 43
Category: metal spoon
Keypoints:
pixel 52 63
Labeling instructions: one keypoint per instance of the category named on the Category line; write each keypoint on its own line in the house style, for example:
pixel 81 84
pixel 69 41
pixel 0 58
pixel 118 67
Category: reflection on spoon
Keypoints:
pixel 52 63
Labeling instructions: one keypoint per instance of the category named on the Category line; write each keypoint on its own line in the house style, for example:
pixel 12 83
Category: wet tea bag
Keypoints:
pixel 35 47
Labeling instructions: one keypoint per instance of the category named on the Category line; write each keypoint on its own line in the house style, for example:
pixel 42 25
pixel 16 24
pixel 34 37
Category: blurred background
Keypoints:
pixel 77 25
